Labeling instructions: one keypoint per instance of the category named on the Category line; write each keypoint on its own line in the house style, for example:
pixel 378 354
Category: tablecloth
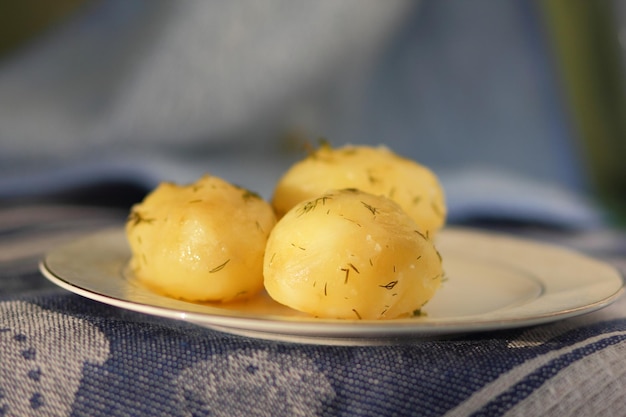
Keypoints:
pixel 65 355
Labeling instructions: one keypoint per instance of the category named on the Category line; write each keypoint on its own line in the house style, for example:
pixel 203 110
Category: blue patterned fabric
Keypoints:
pixel 64 355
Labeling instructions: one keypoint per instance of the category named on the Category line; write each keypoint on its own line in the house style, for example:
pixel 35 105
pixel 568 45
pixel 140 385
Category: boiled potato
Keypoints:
pixel 376 170
pixel 351 255
pixel 199 242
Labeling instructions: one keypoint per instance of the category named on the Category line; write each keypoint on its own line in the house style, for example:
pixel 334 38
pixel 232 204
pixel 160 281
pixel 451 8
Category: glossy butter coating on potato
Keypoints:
pixel 351 255
pixel 376 170
pixel 199 242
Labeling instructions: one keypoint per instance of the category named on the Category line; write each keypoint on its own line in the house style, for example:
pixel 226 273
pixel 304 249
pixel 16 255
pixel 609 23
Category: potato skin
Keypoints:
pixel 376 170
pixel 351 255
pixel 200 242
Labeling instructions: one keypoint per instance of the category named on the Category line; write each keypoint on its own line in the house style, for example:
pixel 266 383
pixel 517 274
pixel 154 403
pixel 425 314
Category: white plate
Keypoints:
pixel 494 282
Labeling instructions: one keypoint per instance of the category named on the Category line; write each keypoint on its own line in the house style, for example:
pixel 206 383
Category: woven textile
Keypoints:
pixel 64 355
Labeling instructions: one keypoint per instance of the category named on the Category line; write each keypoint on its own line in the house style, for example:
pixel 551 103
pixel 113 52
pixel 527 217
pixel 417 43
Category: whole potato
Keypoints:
pixel 351 255
pixel 376 170
pixel 199 242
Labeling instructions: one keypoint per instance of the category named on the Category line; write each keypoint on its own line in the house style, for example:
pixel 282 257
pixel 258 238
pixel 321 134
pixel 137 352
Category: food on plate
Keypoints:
pixel 199 242
pixel 352 255
pixel 376 170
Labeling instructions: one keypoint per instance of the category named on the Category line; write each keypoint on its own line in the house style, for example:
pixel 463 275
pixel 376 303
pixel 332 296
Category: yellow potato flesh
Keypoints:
pixel 376 170
pixel 350 255
pixel 199 242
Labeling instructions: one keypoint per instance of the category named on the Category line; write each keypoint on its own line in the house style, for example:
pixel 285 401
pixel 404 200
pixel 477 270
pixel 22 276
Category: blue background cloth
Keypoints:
pixel 164 91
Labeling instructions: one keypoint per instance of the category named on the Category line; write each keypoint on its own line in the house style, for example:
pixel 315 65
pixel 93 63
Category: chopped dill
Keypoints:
pixel 311 205
pixel 347 271
pixel 323 146
pixel 357 314
pixel 422 235
pixel 389 286
pixel 324 143
pixel 219 267
pixel 374 210
pixel 248 194
pixel 135 218
pixel 436 209
pixel 371 177
pixel 351 220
